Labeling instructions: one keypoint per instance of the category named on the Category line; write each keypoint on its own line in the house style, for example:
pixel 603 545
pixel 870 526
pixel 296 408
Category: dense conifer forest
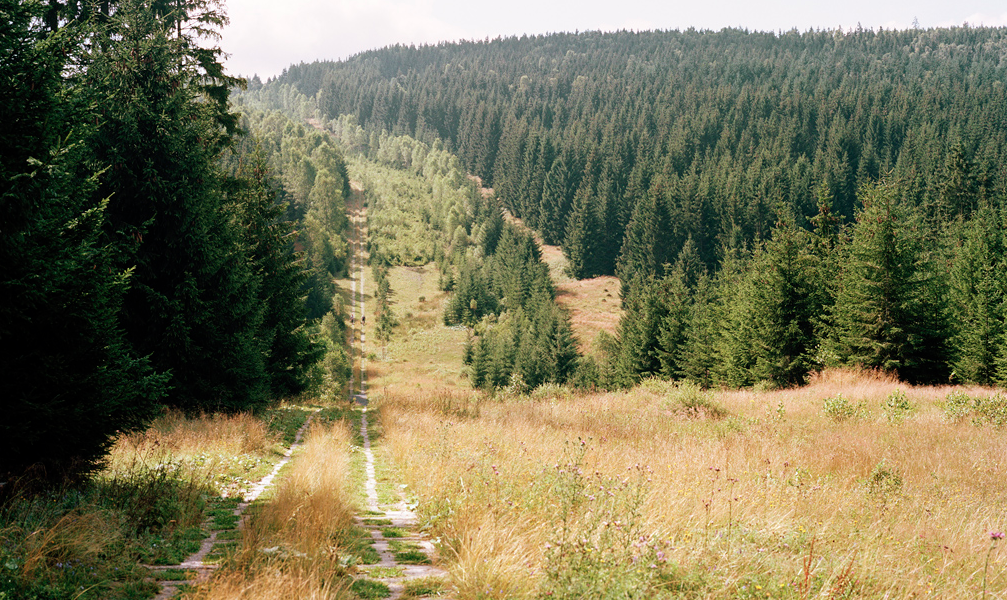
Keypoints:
pixel 772 203
pixel 147 255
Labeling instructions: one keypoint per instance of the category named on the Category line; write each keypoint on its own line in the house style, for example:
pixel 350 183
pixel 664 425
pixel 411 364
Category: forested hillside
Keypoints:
pixel 772 203
pixel 731 129
pixel 145 258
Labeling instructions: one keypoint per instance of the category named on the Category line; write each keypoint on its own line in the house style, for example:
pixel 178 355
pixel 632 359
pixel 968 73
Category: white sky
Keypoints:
pixel 265 36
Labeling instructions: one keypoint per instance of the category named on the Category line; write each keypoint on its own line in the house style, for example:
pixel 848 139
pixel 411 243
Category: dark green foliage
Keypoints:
pixel 645 249
pixel 787 298
pixel 890 312
pixel 648 316
pixel 744 121
pixel 192 303
pixel 585 238
pixel 530 342
pixel 135 272
pixel 632 149
pixel 68 373
pixel 268 240
pixel 977 292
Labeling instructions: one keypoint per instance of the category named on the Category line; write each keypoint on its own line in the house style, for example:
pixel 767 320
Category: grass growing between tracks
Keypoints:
pixel 667 491
pixel 300 542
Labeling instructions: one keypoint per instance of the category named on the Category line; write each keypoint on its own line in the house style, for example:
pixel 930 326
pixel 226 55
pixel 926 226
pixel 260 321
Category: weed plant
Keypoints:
pixel 897 407
pixel 840 409
pixel 88 542
pixel 980 410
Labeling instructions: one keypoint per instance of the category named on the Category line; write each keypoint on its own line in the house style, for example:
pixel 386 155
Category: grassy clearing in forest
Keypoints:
pixel 670 491
pixel 594 303
pixel 422 352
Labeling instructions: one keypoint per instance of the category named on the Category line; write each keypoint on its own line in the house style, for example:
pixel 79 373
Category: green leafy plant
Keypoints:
pixel 897 407
pixel 840 409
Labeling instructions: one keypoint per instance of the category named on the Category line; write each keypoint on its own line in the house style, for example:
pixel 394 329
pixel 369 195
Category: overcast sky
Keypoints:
pixel 265 36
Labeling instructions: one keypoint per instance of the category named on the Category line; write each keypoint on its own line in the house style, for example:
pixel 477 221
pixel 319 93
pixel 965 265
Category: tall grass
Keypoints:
pixel 745 494
pixel 295 545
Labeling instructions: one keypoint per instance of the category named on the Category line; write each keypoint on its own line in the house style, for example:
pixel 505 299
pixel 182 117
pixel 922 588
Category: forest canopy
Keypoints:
pixel 772 203
pixel 137 270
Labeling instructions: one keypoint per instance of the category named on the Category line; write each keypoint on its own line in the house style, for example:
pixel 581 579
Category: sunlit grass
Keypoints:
pixel 298 544
pixel 774 496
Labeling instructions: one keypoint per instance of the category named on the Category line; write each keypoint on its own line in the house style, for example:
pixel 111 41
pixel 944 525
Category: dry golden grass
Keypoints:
pixel 185 437
pixel 775 495
pixel 594 306
pixel 294 543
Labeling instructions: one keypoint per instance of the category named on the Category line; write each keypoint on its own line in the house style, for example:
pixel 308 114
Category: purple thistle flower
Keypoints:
pixel 996 535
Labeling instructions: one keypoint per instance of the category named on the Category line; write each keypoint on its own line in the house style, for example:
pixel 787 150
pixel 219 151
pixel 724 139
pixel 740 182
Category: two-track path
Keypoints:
pixel 398 514
pixel 197 561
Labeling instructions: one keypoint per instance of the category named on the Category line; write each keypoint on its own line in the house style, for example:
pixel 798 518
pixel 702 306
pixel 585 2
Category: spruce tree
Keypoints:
pixel 890 313
pixel 69 379
pixel 645 248
pixel 192 305
pixel 555 203
pixel 287 345
pixel 640 351
pixel 786 302
pixel 978 286
pixel 584 238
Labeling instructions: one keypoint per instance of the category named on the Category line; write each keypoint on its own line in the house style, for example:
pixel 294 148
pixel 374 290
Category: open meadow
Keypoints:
pixel 855 485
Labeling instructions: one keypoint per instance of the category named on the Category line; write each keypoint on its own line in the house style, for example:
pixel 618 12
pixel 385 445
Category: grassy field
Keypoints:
pixel 853 486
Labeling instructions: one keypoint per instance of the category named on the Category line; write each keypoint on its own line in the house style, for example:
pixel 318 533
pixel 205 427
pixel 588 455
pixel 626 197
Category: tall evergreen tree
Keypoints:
pixel 286 343
pixel 978 285
pixel 584 238
pixel 890 311
pixel 555 203
pixel 69 379
pixel 192 306
pixel 645 249
pixel 787 300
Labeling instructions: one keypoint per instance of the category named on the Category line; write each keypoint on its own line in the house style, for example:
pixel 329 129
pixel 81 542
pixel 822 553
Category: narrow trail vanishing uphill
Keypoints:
pixel 381 519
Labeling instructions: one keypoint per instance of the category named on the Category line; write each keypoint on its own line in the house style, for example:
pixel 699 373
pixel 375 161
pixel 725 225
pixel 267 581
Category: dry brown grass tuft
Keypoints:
pixel 293 546
pixel 184 436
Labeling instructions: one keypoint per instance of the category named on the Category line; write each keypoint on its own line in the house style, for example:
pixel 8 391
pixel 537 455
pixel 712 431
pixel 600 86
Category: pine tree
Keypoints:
pixel 645 248
pixel 288 347
pixel 640 351
pixel 69 379
pixel 978 286
pixel 679 287
pixel 584 237
pixel 889 313
pixel 192 304
pixel 555 203
pixel 786 301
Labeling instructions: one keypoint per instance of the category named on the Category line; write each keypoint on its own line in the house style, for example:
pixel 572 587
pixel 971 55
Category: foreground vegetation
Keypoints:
pixel 666 491
pixel 149 505
pixel 856 485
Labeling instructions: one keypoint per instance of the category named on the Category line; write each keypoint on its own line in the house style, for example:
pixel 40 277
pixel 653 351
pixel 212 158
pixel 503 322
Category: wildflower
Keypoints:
pixel 996 535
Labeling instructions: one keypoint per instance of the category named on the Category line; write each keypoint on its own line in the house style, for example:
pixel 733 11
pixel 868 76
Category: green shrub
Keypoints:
pixel 983 410
pixel 957 406
pixel 689 398
pixel 897 407
pixel 839 409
